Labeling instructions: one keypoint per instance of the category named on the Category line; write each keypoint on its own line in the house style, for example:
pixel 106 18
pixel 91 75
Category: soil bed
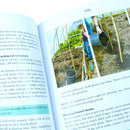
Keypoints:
pixel 108 60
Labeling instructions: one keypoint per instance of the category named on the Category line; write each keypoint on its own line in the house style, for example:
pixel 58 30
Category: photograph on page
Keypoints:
pixel 90 47
pixel 112 46
pixel 71 63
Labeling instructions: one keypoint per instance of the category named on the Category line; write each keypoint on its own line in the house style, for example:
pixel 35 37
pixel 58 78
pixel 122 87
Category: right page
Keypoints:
pixel 87 61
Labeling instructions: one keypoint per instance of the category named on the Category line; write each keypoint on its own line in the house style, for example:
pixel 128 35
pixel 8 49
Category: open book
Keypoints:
pixel 71 72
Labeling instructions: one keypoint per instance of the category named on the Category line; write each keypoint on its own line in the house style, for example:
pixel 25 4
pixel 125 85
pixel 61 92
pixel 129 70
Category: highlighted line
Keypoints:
pixel 24 110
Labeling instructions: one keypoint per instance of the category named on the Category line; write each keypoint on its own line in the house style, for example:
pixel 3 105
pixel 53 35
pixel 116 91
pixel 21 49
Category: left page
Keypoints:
pixel 24 97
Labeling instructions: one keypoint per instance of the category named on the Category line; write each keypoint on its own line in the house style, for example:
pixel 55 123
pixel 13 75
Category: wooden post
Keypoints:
pixel 70 50
pixel 59 49
pixel 98 21
pixel 116 36
pixel 107 31
pixel 82 78
pixel 89 71
pixel 85 67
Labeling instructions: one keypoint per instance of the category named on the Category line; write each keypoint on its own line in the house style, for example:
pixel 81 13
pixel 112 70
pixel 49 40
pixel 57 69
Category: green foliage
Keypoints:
pixel 61 45
pixel 74 41
pixel 74 37
pixel 74 32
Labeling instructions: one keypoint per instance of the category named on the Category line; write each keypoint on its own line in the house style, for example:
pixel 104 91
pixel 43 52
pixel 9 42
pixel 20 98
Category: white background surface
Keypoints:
pixel 39 9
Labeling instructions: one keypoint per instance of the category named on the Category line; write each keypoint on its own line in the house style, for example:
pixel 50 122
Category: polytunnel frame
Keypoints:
pixel 85 67
pixel 56 37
